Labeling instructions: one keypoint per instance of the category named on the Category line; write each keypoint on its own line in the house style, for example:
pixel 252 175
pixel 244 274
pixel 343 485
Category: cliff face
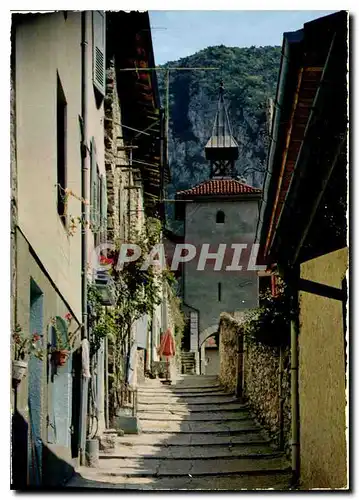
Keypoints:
pixel 250 79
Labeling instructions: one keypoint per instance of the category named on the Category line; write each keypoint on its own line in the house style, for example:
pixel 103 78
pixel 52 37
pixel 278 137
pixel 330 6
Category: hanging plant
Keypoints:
pixel 64 339
pixel 24 346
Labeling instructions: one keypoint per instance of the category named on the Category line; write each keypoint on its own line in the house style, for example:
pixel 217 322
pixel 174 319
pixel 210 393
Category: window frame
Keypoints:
pixel 61 151
pixel 219 215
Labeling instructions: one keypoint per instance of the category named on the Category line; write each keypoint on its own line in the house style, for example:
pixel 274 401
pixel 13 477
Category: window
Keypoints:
pixel 220 217
pixel 219 292
pixel 61 125
pixel 98 48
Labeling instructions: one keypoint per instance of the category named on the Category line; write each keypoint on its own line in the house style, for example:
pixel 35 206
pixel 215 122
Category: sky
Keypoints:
pixel 177 34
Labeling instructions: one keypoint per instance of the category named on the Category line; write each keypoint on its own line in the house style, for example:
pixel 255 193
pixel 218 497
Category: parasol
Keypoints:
pixel 167 348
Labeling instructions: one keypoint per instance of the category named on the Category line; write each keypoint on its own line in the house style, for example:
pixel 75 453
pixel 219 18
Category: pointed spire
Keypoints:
pixel 221 145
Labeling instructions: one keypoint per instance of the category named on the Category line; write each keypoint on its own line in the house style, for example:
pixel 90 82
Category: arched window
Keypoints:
pixel 220 217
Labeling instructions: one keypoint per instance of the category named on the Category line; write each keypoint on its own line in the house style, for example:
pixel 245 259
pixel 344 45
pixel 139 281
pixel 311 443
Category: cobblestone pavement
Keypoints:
pixel 193 436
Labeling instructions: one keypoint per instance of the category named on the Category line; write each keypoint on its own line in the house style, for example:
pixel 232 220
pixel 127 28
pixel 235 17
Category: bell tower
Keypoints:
pixel 222 149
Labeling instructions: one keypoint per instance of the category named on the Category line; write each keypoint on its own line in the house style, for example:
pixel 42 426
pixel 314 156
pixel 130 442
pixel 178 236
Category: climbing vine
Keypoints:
pixel 269 324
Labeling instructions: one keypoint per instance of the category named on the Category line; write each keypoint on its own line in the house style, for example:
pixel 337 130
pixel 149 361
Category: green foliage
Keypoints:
pixel 65 338
pixel 26 345
pixel 269 324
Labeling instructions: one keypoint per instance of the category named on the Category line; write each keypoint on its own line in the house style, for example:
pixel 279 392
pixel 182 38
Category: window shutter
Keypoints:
pixel 98 48
pixel 103 206
pixel 93 195
pixel 98 201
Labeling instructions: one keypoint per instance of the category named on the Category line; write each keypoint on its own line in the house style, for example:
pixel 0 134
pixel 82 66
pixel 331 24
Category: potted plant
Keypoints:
pixel 24 346
pixel 64 339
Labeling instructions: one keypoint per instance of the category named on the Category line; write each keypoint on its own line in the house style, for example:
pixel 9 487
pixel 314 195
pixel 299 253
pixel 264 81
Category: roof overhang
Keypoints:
pixel 293 188
pixel 130 43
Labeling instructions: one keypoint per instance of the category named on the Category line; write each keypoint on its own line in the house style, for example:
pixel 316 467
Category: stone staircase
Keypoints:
pixel 188 361
pixel 194 437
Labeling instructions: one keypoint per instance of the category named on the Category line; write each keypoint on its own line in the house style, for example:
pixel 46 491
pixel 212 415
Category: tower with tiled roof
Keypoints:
pixel 218 213
pixel 222 149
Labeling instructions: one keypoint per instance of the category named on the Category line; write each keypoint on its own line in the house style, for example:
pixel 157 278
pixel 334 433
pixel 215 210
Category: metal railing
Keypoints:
pixel 128 399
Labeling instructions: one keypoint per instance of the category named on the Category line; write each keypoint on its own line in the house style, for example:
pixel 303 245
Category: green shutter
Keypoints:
pixel 98 48
pixel 103 205
pixel 98 202
pixel 93 195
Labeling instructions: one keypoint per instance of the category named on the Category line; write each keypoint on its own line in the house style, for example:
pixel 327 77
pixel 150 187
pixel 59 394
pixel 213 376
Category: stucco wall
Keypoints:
pixel 48 45
pixel 322 377
pixel 212 361
pixel 54 400
pixel 239 289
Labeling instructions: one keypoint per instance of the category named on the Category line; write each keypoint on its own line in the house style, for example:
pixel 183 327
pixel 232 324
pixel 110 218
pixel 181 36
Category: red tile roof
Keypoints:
pixel 219 186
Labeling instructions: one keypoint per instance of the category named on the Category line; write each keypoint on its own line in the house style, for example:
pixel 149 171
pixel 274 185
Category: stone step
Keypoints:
pixel 91 478
pixel 183 409
pixel 223 398
pixel 215 417
pixel 183 384
pixel 168 391
pixel 175 395
pixel 169 467
pixel 176 452
pixel 197 427
pixel 182 439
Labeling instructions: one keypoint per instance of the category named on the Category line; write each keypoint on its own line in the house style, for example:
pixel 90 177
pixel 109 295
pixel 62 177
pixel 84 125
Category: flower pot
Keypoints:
pixel 19 369
pixel 60 357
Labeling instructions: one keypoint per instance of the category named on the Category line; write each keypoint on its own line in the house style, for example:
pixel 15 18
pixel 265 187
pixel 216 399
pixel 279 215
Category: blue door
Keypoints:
pixel 34 388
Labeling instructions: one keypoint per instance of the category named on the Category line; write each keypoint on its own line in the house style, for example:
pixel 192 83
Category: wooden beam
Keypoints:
pixel 316 288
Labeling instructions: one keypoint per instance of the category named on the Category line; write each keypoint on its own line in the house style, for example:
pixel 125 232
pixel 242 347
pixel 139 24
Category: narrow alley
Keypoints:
pixel 193 436
pixel 179 250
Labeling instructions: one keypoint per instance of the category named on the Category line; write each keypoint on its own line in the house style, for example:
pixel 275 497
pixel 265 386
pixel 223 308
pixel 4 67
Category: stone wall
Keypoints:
pixel 229 330
pixel 262 382
pixel 265 387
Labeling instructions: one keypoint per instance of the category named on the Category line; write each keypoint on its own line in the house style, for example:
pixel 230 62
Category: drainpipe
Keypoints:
pixel 84 232
pixel 294 331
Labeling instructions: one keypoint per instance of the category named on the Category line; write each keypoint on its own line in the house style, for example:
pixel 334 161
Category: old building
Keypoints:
pixel 303 237
pixel 57 122
pixel 220 217
pixel 136 170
